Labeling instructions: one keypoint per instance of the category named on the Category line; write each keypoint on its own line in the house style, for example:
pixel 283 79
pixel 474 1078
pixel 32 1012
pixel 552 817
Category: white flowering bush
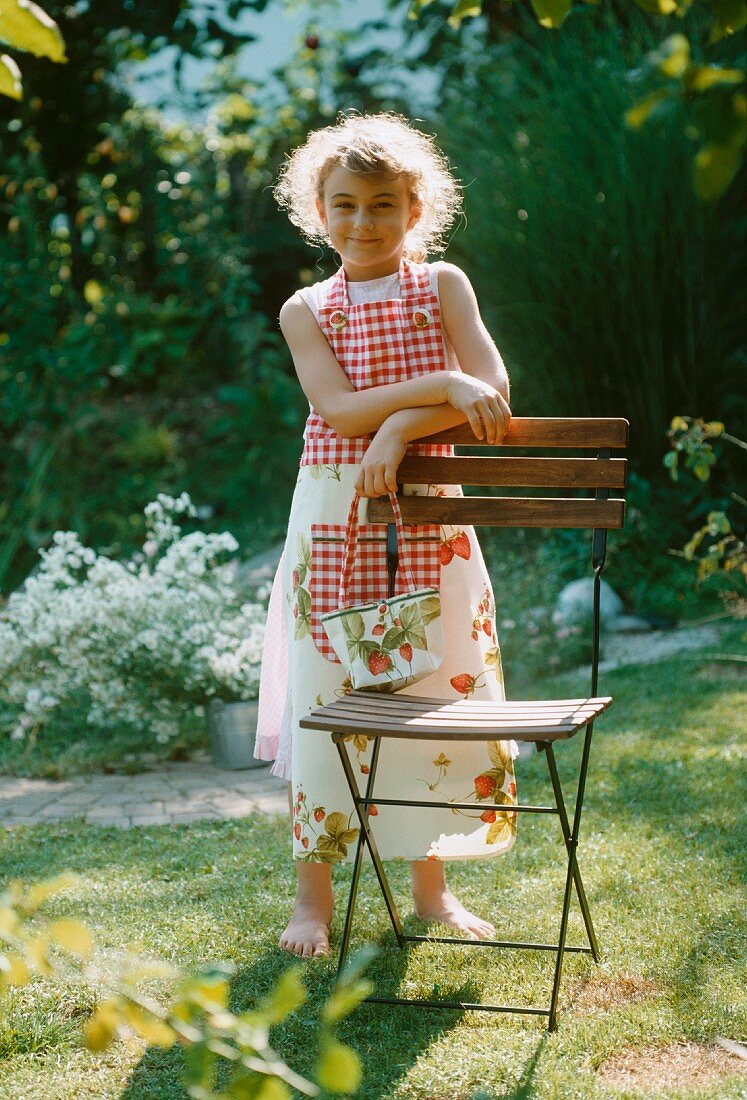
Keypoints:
pixel 138 642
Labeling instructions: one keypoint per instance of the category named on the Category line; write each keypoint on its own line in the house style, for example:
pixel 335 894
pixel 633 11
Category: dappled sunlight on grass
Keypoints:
pixel 662 853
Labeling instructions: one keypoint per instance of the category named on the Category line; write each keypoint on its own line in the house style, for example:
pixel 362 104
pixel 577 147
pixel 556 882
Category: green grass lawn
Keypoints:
pixel 663 852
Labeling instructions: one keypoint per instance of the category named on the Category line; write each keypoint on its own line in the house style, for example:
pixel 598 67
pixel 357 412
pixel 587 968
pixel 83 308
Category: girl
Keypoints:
pixel 388 350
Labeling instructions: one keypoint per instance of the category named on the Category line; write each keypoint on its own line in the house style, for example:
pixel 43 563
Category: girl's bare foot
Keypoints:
pixel 434 901
pixel 307 933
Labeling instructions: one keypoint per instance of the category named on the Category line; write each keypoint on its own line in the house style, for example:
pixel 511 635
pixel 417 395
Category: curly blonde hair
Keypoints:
pixel 384 143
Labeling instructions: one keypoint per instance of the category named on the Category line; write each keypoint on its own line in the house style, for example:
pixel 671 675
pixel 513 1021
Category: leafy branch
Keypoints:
pixel 24 26
pixel 722 127
pixel 690 441
pixel 198 1017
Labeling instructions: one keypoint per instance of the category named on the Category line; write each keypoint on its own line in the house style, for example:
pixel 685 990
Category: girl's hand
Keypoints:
pixel 378 472
pixel 487 410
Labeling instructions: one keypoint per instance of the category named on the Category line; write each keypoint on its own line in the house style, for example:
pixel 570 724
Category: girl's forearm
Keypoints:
pixel 409 424
pixel 363 411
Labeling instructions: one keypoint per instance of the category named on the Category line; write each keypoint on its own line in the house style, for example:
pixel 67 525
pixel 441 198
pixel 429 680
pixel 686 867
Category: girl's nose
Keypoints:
pixel 363 220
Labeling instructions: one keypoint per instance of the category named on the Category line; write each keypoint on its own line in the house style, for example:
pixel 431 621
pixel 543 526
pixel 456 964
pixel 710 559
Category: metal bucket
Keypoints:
pixel 233 729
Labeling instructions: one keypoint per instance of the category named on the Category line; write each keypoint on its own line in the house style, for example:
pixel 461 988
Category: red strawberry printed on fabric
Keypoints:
pixel 485 785
pixel 405 650
pixel 484 619
pixel 379 662
pixel 464 683
pixel 458 545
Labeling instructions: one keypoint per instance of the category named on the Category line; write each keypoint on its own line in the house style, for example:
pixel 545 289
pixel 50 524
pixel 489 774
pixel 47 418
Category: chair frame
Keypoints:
pixel 602 435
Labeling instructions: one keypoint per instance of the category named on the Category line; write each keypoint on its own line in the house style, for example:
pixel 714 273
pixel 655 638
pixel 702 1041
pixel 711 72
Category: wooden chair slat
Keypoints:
pixel 386 725
pixel 570 473
pixel 330 724
pixel 565 714
pixel 370 699
pixel 502 511
pixel 528 431
pixel 403 701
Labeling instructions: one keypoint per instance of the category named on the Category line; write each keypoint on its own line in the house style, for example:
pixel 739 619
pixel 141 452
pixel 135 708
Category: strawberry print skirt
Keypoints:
pixel 324 822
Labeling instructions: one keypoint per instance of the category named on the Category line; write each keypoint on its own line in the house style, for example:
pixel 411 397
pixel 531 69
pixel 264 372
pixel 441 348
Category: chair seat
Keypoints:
pixel 375 714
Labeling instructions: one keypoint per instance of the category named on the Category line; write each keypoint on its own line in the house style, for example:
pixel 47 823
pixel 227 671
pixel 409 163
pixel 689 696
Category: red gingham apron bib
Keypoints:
pixel 377 343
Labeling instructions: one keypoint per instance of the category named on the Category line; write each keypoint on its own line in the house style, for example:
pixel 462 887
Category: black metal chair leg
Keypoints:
pixel 553 1021
pixel 362 812
pixel 571 846
pixel 565 826
pixel 357 862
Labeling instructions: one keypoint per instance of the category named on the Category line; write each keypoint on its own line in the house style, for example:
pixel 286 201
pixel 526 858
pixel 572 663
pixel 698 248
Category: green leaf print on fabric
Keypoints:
pixel 430 609
pixel 361 746
pixel 332 846
pixel 503 828
pixel 409 613
pixel 500 756
pixel 300 598
pixel 354 626
pixel 393 638
pixel 318 470
pixel 303 618
pixel 492 659
pixel 304 554
pixel 441 764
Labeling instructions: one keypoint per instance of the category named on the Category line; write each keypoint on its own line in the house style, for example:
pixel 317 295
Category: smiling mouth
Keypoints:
pixel 364 240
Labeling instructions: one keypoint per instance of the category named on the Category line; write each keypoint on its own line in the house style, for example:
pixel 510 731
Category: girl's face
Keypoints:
pixel 367 218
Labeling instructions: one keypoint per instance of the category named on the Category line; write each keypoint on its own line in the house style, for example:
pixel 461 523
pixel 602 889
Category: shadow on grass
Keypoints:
pixel 724 939
pixel 524 1089
pixel 388 1042
pixel 656 762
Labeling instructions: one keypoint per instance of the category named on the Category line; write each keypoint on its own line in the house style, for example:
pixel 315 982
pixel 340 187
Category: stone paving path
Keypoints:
pixel 170 794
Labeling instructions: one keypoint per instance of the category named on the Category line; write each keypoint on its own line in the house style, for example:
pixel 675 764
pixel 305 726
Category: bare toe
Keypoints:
pixel 307 934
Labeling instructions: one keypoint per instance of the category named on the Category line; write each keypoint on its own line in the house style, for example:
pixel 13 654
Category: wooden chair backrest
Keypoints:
pixel 599 474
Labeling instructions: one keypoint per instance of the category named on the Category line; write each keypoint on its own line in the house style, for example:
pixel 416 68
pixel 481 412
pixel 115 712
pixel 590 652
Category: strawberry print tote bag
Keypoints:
pixel 395 641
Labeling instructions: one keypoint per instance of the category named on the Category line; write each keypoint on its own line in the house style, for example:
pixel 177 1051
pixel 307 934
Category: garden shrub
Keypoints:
pixel 610 288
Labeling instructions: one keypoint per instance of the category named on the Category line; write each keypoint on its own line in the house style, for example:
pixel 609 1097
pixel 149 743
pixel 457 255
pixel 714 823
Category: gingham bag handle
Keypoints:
pixel 351 545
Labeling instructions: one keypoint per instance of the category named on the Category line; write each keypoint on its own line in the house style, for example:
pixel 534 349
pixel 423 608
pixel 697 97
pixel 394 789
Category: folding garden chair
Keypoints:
pixel 543 723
